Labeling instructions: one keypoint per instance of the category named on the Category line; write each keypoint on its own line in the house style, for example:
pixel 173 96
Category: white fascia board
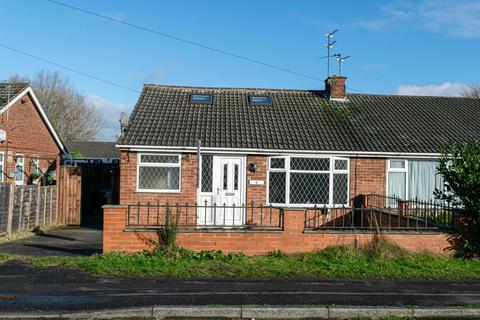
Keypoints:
pixel 14 100
pixel 52 130
pixel 272 152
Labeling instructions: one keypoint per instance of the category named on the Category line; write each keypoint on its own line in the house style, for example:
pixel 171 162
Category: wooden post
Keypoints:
pixel 20 211
pixel 11 198
pixel 37 209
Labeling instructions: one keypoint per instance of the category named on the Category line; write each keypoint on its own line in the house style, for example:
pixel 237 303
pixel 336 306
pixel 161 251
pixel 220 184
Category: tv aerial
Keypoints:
pixel 329 46
pixel 340 59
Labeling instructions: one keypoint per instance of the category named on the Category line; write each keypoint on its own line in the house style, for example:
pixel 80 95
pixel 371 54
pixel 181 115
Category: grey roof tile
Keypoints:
pixel 95 149
pixel 301 120
pixel 8 91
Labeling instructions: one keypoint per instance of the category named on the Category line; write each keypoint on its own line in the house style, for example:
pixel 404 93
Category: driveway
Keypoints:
pixel 65 241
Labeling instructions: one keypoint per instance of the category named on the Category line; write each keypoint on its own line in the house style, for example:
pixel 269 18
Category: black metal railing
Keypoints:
pixel 195 216
pixel 377 214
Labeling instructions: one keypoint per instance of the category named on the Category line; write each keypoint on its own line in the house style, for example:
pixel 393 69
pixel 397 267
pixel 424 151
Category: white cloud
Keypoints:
pixel 156 75
pixel 111 112
pixel 448 89
pixel 455 18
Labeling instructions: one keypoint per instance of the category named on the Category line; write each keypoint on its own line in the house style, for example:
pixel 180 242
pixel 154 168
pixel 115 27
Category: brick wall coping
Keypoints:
pixel 331 231
pixel 114 206
pixel 206 230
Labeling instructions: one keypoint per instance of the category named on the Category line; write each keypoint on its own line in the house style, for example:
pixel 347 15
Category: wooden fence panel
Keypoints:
pixel 4 205
pixel 28 208
pixel 70 185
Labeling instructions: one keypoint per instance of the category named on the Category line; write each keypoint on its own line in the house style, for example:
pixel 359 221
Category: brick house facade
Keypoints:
pixel 256 170
pixel 29 144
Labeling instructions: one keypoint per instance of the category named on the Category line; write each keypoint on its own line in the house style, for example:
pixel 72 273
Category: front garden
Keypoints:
pixel 379 259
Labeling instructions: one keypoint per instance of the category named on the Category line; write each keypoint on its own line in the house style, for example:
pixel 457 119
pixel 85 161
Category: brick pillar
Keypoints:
pixel 294 220
pixel 114 221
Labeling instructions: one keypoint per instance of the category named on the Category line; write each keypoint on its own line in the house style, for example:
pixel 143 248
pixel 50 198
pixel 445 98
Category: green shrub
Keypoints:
pixel 460 167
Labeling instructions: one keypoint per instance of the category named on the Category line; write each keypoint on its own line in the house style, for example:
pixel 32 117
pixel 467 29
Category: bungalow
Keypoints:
pixel 223 150
pixel 29 146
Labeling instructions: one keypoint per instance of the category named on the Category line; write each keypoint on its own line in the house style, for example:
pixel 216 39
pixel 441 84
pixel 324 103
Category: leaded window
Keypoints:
pixel 158 173
pixel 207 173
pixel 308 181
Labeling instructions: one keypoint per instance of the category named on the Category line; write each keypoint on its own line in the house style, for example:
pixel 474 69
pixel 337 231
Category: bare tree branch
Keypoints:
pixel 473 91
pixel 68 110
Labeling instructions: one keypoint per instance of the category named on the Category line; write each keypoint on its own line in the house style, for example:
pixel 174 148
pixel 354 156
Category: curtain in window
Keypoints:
pixel 397 184
pixel 423 179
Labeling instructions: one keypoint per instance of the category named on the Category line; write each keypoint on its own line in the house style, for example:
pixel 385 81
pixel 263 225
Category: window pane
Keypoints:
pixel 207 173
pixel 276 187
pixel 201 98
pixel 397 184
pixel 1 157
pixel 155 158
pixel 159 178
pixel 277 163
pixel 314 164
pixel 235 177
pixel 1 171
pixel 312 188
pixel 225 176
pixel 340 189
pixel 341 164
pixel 423 179
pixel 397 164
pixel 260 100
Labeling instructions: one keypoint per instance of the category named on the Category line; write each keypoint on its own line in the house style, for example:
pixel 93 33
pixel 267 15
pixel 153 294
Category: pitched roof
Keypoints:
pixel 300 120
pixel 96 149
pixel 8 91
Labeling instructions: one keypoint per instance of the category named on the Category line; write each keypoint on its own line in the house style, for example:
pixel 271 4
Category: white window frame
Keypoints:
pixel 404 170
pixel 22 156
pixel 287 171
pixel 159 165
pixel 36 165
pixel 2 164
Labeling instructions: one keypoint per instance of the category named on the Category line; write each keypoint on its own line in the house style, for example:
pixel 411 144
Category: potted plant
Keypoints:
pixel 35 176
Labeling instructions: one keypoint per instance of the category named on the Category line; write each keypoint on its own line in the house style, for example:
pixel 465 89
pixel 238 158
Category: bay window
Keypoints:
pixel 158 173
pixel 308 180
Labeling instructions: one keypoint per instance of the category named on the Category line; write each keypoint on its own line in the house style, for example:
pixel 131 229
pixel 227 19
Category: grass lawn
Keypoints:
pixel 378 260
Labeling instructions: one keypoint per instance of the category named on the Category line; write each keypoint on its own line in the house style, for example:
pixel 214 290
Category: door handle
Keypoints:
pixel 218 191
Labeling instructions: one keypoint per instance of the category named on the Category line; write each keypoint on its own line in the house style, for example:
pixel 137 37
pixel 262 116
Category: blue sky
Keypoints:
pixel 398 47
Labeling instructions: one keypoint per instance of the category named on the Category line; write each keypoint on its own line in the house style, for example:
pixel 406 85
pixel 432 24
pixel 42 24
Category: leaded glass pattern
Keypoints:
pixel 207 173
pixel 309 188
pixel 159 178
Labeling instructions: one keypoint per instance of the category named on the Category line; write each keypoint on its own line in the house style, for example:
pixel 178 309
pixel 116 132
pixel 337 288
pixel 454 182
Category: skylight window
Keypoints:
pixel 260 100
pixel 201 98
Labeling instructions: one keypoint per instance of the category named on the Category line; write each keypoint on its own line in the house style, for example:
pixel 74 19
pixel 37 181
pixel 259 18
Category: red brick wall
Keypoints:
pixel 128 182
pixel 291 240
pixel 257 193
pixel 26 134
pixel 367 175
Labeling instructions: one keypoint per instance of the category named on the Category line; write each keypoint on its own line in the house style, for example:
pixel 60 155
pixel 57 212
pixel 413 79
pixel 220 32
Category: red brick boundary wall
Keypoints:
pixel 293 239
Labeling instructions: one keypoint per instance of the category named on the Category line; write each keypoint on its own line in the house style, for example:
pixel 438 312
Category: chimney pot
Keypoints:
pixel 335 87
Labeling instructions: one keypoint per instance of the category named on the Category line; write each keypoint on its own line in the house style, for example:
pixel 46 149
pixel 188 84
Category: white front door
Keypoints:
pixel 228 186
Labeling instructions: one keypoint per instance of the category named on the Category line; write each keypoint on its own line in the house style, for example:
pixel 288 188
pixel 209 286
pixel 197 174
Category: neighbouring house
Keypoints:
pixel 30 149
pixel 96 166
pixel 256 170
pixel 30 154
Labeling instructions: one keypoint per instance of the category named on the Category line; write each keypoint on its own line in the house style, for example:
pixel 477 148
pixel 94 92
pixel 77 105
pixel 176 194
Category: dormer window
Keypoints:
pixel 260 100
pixel 201 98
